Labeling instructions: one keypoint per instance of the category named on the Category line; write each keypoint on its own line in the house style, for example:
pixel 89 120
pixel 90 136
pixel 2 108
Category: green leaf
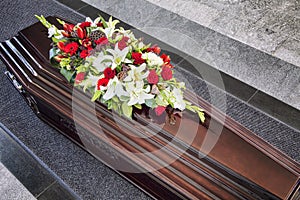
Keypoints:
pixel 138 106
pixel 115 106
pixel 60 21
pixel 103 22
pixel 127 110
pixel 96 95
pixel 67 74
pixel 116 99
pixel 109 105
pixel 124 98
pixel 201 116
pixel 151 103
pixel 53 52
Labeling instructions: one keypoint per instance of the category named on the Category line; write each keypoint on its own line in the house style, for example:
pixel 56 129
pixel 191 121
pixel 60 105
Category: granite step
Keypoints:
pixel 11 188
pixel 231 36
pixel 24 176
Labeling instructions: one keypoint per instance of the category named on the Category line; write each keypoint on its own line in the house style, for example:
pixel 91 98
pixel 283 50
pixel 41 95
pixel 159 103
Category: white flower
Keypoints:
pixel 137 93
pixel 90 81
pixel 51 31
pixel 153 59
pixel 118 56
pixel 114 87
pixel 111 25
pixel 101 61
pixel 93 23
pixel 58 34
pixel 136 73
pixel 179 103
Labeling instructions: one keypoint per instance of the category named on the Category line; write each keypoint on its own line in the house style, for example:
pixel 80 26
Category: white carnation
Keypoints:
pixel 153 59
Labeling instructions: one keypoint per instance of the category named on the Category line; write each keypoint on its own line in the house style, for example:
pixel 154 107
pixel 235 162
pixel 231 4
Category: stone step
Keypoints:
pixel 202 29
pixel 11 188
pixel 24 176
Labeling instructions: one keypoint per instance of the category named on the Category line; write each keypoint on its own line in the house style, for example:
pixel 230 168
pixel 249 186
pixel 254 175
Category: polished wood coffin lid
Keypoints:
pixel 240 166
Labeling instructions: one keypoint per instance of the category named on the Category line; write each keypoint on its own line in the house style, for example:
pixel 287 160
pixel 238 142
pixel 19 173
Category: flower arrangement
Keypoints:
pixel 115 67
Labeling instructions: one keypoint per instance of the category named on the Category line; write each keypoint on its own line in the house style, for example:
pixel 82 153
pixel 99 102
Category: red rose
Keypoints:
pixel 68 27
pixel 166 73
pixel 81 33
pixel 102 82
pixel 159 110
pixel 152 77
pixel 109 73
pixel 84 53
pixel 86 43
pixel 79 77
pixel 154 49
pixel 122 44
pixel 102 41
pixel 165 58
pixel 137 57
pixel 71 48
pixel 85 24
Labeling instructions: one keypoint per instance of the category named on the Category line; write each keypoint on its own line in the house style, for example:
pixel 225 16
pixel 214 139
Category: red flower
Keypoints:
pixel 152 77
pixel 99 24
pixel 122 44
pixel 79 77
pixel 102 41
pixel 65 34
pixel 168 65
pixel 166 73
pixel 85 24
pixel 159 110
pixel 165 58
pixel 61 46
pixel 137 57
pixel 86 43
pixel 71 48
pixel 81 33
pixel 154 49
pixel 102 82
pixel 68 27
pixel 109 73
pixel 84 53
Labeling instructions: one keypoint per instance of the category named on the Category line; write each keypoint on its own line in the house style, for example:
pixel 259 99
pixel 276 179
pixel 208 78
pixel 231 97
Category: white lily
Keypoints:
pixel 136 73
pixel 58 34
pixel 90 81
pixel 118 56
pixel 114 87
pixel 179 103
pixel 111 25
pixel 93 23
pixel 51 31
pixel 102 61
pixel 137 93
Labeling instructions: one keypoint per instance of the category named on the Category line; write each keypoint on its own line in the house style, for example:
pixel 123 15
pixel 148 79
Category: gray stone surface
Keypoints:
pixel 265 25
pixel 11 188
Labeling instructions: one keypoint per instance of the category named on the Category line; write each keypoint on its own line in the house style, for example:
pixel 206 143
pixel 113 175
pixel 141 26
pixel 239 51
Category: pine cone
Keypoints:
pixel 74 34
pixel 95 35
pixel 121 75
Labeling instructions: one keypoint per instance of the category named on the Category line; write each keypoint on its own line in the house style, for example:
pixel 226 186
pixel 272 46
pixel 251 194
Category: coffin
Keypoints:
pixel 167 161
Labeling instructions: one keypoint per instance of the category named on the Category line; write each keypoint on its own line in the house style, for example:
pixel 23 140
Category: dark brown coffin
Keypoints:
pixel 240 165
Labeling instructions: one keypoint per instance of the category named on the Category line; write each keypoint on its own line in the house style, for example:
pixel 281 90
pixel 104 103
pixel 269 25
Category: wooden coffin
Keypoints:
pixel 171 165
